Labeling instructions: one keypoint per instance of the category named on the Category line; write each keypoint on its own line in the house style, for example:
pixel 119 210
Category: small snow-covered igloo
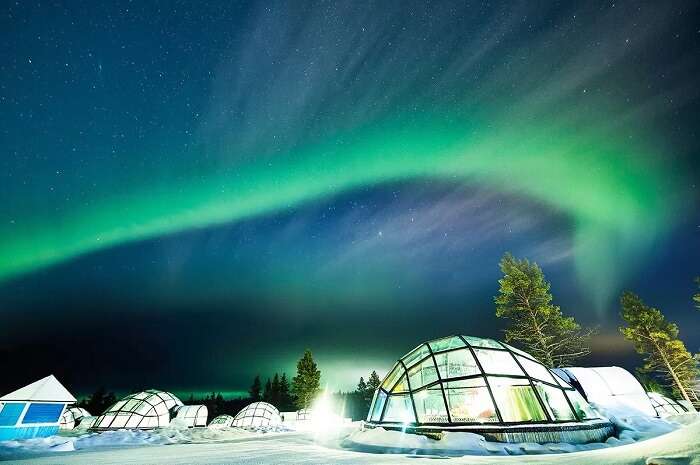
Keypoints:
pixel 464 383
pixel 192 415
pixel 72 417
pixel 142 410
pixel 257 414
pixel 222 421
pixel 613 388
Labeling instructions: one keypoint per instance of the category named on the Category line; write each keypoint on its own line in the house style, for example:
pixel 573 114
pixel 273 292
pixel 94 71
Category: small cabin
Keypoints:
pixel 34 410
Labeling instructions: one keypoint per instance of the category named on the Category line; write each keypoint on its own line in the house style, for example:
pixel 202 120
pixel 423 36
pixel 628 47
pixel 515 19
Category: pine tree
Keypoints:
pixel 286 399
pixel 535 323
pixel 255 389
pixel 373 382
pixel 657 340
pixel 307 382
pixel 275 391
pixel 99 401
pixel 361 387
pixel 267 393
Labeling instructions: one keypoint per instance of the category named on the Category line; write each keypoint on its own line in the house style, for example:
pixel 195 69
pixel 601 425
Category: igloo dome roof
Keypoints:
pixel 477 384
pixel 257 414
pixel 71 417
pixel 146 409
pixel 222 421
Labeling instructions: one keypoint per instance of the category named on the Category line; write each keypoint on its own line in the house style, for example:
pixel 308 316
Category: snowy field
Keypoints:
pixel 640 441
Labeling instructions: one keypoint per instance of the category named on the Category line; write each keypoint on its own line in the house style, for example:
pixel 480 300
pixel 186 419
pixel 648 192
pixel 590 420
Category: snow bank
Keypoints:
pixel 176 433
pixel 629 429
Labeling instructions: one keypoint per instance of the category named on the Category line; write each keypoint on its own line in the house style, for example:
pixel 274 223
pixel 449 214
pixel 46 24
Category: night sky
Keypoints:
pixel 193 193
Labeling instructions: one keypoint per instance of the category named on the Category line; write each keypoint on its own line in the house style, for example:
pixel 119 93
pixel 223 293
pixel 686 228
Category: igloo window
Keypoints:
pixel 555 401
pixel 516 400
pixel 456 363
pixel 497 362
pixel 469 401
pixel 430 405
pixel 422 374
pixel 399 409
pixel 446 343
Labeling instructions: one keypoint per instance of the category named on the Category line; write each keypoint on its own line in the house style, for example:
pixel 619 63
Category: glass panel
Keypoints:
pixel 393 377
pixel 555 402
pixel 456 363
pixel 117 406
pixel 120 421
pixel 516 399
pixel 422 374
pixel 430 405
pixel 561 381
pixel 446 344
pixel 470 404
pixel 377 406
pixel 498 362
pixel 131 405
pixel 583 410
pixel 402 385
pixel 106 420
pixel 536 370
pixel 399 409
pixel 481 342
pixel 416 355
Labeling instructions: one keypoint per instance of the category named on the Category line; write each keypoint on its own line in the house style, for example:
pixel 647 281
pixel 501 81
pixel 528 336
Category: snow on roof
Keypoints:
pixel 47 389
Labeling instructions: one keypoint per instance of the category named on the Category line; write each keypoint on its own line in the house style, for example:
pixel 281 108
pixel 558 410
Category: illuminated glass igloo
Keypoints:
pixel 143 410
pixel 222 421
pixel 257 414
pixel 466 383
pixel 192 415
pixel 72 417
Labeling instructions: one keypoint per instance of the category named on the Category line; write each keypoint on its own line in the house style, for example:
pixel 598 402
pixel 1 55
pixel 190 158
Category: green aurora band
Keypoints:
pixel 617 197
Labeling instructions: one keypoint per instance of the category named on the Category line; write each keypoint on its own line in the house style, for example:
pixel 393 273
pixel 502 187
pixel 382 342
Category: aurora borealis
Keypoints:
pixel 221 160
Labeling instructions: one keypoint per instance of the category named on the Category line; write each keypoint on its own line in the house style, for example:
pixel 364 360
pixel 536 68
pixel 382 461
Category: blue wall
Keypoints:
pixel 27 432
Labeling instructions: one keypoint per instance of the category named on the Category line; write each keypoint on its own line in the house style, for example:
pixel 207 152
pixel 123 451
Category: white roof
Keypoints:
pixel 46 389
pixel 613 388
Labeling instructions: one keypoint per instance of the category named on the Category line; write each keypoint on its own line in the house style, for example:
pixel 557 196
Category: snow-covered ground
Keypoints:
pixel 640 441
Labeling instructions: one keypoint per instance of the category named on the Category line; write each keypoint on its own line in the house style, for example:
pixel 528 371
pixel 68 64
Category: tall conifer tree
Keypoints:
pixel 657 340
pixel 537 325
pixel 255 389
pixel 307 383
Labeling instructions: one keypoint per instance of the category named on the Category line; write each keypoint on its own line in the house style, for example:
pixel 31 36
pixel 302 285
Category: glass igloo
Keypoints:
pixel 257 414
pixel 192 415
pixel 72 417
pixel 483 386
pixel 147 409
pixel 222 421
